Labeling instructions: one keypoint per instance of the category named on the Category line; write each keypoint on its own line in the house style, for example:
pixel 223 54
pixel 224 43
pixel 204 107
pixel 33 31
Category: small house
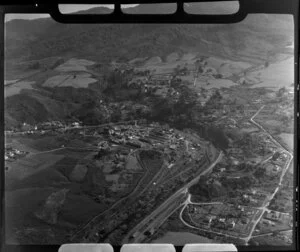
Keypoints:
pixel 231 224
pixel 207 220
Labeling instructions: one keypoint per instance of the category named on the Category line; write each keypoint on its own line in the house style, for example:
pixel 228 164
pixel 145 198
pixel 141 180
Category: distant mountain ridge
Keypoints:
pixel 255 36
pixel 254 40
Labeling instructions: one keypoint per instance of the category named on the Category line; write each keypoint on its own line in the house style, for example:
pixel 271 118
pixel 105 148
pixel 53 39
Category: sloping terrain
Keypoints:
pixel 46 49
pixel 254 37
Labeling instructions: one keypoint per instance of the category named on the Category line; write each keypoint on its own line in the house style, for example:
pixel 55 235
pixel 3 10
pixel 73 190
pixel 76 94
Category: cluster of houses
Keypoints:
pixel 122 67
pixel 212 221
pixel 151 83
pixel 249 199
pixel 223 223
pixel 273 215
pixel 139 136
pixel 272 169
pixel 160 79
pixel 42 127
pixel 270 146
pixel 12 154
pixel 274 166
pixel 136 136
pixel 231 218
pixel 51 125
pixel 280 158
pixel 127 134
pixel 173 94
pixel 235 152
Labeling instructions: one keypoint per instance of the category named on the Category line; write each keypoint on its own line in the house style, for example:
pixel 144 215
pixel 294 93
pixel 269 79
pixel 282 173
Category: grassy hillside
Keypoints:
pixel 35 39
pixel 56 104
pixel 254 40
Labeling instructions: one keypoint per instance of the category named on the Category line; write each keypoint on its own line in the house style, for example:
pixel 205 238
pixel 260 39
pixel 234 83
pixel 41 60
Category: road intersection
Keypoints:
pixel 264 207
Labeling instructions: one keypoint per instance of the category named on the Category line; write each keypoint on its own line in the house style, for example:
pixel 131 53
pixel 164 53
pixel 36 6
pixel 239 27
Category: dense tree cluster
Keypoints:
pixel 207 191
pixel 217 136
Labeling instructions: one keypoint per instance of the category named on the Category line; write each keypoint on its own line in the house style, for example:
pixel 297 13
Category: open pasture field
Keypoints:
pixel 66 165
pixel 287 140
pixel 273 240
pixel 153 61
pixel 189 78
pixel 72 211
pixel 219 83
pixel 42 143
pixel 132 164
pixel 13 141
pixel 31 199
pixel 8 82
pixel 41 77
pixel 244 95
pixel 266 225
pixel 137 61
pixel 227 67
pixel 30 164
pixel 124 184
pixel 86 142
pixel 275 123
pixel 13 89
pixel 172 61
pixel 32 70
pixel 249 129
pixel 188 57
pixel 27 199
pixel 17 73
pixel 179 238
pixel 272 123
pixel 276 75
pixel 283 200
pixel 74 152
pixel 75 65
pixel 76 140
pixel 81 80
pixel 44 169
pixel 160 68
pixel 47 177
pixel 172 57
pixel 44 174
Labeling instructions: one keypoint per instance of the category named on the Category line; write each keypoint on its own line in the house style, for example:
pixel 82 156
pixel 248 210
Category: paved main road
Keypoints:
pixel 164 211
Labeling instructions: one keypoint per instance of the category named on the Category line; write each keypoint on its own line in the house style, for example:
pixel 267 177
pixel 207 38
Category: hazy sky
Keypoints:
pixel 64 8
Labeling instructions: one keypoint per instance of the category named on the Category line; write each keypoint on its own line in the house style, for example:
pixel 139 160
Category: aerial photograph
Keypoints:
pixel 149 133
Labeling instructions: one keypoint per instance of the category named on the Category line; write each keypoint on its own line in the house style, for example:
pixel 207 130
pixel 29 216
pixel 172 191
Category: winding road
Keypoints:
pixel 264 207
